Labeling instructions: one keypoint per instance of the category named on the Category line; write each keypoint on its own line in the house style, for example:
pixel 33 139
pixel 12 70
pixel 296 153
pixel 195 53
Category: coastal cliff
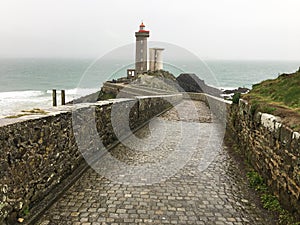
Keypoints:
pixel 280 97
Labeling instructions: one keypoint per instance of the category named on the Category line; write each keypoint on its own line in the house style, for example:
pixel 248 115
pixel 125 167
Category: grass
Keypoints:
pixel 280 97
pixel 268 200
pixel 257 183
pixel 28 113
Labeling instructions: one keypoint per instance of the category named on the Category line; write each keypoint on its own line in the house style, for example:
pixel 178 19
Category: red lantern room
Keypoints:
pixel 142 28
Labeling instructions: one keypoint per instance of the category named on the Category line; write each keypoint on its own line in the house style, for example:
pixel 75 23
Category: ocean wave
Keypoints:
pixel 20 94
pixel 14 101
pixel 75 91
pixel 227 88
pixel 33 95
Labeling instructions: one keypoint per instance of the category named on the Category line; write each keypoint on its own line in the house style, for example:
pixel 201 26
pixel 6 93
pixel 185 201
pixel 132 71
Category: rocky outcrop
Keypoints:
pixel 234 91
pixel 155 82
pixel 190 82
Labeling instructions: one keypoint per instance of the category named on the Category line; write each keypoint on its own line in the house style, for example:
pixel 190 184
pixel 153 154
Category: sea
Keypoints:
pixel 28 83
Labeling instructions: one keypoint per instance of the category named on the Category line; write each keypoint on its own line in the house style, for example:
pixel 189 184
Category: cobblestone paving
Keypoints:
pixel 169 179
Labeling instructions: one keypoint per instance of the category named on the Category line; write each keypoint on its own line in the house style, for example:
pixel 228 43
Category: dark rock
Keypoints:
pixel 190 82
pixel 241 90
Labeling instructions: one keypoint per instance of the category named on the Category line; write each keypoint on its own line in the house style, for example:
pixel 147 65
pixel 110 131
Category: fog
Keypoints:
pixel 215 29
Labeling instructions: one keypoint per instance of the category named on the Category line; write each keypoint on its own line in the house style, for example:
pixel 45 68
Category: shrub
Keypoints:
pixel 235 98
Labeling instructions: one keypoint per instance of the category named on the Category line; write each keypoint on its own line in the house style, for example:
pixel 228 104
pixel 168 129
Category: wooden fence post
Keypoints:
pixel 63 97
pixel 54 97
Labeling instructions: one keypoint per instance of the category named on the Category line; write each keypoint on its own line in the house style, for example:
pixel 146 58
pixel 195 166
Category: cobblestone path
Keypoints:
pixel 177 173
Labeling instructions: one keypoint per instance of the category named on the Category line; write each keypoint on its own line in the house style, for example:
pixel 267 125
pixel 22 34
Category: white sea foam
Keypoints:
pixel 20 94
pixel 15 101
pixel 75 91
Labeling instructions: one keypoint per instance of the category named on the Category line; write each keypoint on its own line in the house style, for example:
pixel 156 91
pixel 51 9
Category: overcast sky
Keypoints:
pixel 212 29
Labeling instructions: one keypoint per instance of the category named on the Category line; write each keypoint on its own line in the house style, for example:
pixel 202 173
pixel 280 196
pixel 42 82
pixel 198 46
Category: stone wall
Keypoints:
pixel 35 157
pixel 39 152
pixel 272 148
pixel 218 106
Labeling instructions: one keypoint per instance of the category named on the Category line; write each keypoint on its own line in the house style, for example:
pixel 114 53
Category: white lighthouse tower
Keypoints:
pixel 141 50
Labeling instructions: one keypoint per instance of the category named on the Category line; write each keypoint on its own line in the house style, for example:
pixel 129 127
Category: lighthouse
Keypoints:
pixel 141 50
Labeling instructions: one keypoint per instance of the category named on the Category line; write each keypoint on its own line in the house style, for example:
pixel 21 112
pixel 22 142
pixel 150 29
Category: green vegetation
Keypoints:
pixel 280 97
pixel 28 113
pixel 285 90
pixel 269 201
pixel 256 181
pixel 235 98
pixel 25 211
